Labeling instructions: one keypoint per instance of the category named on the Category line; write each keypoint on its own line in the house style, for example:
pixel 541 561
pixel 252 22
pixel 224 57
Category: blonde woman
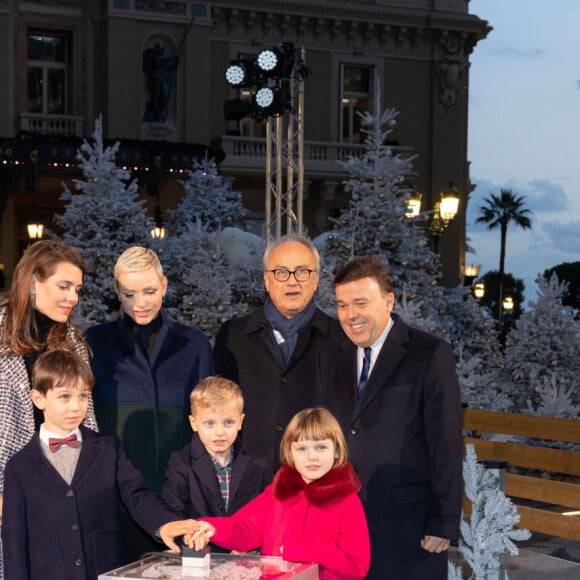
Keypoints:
pixel 145 366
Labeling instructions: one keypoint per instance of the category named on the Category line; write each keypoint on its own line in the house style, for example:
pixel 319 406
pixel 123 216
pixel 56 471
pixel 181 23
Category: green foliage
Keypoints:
pixel 568 272
pixel 499 212
pixel 512 286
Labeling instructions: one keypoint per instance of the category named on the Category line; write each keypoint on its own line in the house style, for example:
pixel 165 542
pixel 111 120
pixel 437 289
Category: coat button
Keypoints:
pixel 283 380
pixel 78 562
pixel 279 428
pixel 75 527
pixel 353 430
pixel 70 493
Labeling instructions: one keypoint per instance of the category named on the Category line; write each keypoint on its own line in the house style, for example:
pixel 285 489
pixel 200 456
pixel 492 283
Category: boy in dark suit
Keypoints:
pixel 213 475
pixel 61 513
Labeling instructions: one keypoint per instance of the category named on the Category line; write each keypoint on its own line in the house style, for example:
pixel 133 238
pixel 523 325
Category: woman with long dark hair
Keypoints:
pixel 35 317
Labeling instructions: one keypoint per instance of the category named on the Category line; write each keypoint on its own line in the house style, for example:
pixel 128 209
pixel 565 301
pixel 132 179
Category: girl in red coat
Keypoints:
pixel 311 512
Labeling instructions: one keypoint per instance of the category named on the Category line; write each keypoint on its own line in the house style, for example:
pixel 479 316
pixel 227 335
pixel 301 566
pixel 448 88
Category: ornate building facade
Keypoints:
pixel 155 71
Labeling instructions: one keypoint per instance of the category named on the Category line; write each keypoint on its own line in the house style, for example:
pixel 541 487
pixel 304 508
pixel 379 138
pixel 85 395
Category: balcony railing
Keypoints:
pixel 63 125
pixel 320 157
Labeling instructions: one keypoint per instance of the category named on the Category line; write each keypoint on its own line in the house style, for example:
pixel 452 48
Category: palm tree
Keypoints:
pixel 499 211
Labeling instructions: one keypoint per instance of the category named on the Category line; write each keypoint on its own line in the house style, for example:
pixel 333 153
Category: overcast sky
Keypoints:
pixel 524 132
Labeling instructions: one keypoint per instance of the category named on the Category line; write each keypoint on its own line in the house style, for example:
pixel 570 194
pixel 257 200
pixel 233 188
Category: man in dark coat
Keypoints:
pixel 401 413
pixel 272 352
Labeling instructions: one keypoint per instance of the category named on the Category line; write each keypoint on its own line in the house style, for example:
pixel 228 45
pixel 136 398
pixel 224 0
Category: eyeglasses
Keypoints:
pixel 300 274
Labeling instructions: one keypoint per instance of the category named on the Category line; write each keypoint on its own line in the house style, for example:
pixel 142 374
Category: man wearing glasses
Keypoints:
pixel 272 353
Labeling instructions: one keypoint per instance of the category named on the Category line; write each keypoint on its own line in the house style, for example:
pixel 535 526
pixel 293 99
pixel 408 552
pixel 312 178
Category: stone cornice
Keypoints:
pixel 370 27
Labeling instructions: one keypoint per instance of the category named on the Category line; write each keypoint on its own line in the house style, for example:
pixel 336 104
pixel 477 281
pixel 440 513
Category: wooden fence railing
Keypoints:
pixel 551 497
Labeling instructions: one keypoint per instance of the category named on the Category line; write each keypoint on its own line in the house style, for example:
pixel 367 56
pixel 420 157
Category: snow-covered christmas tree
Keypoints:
pixel 201 279
pixel 208 198
pixel 210 205
pixel 543 347
pixel 102 220
pixel 489 531
pixel 375 223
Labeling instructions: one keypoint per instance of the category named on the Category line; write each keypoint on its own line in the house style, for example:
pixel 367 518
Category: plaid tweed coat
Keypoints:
pixel 16 410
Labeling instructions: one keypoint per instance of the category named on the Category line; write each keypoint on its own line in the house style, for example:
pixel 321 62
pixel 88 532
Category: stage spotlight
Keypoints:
pixel 267 59
pixel 264 97
pixel 236 74
pixel 277 62
pixel 241 73
pixel 271 102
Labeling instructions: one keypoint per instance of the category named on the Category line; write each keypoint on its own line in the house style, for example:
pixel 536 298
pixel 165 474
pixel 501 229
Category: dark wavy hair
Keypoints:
pixel 39 261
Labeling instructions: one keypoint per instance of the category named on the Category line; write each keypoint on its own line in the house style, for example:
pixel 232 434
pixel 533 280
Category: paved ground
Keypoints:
pixel 542 557
pixel 551 546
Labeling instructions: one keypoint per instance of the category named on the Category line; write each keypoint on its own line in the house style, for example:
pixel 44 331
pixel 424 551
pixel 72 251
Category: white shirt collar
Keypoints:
pixel 45 434
pixel 375 347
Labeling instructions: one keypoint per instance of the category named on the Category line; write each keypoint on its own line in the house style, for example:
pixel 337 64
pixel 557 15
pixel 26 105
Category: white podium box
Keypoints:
pixel 167 566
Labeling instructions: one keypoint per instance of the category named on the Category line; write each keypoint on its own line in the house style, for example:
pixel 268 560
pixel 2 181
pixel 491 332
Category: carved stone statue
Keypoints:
pixel 159 65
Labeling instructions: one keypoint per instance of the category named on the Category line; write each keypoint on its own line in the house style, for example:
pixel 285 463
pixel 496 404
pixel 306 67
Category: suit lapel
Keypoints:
pixel 43 465
pixel 202 465
pixel 241 463
pixel 90 448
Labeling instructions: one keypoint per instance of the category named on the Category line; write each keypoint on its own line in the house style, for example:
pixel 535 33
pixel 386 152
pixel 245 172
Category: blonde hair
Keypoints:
pixel 137 259
pixel 213 392
pixel 314 424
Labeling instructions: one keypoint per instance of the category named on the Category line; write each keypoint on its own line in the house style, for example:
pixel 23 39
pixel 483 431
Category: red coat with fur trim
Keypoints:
pixel 321 522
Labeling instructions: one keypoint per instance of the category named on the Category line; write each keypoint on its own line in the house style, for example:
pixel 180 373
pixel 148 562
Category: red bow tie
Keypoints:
pixel 55 444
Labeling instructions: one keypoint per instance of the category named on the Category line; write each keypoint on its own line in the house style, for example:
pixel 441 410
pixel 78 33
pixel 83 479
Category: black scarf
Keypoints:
pixel 144 335
pixel 289 328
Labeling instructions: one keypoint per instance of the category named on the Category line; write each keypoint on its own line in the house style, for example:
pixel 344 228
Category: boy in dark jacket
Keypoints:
pixel 213 475
pixel 61 511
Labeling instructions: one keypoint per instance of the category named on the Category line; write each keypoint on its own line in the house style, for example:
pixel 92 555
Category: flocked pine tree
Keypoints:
pixel 102 220
pixel 375 222
pixel 201 279
pixel 488 533
pixel 555 400
pixel 208 198
pixel 543 347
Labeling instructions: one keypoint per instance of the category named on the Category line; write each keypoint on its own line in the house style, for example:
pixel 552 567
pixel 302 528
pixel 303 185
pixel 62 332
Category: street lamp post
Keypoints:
pixel 434 221
pixel 470 273
pixel 507 306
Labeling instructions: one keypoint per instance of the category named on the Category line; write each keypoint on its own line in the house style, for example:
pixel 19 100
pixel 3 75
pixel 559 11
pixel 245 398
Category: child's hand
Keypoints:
pixel 171 530
pixel 201 537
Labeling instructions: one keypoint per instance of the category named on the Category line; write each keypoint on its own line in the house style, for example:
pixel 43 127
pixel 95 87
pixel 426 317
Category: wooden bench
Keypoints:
pixel 547 518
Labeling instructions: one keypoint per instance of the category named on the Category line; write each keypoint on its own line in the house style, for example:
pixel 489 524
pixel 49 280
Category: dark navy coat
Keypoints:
pixel 71 532
pixel 146 402
pixel 245 352
pixel 191 488
pixel 405 442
